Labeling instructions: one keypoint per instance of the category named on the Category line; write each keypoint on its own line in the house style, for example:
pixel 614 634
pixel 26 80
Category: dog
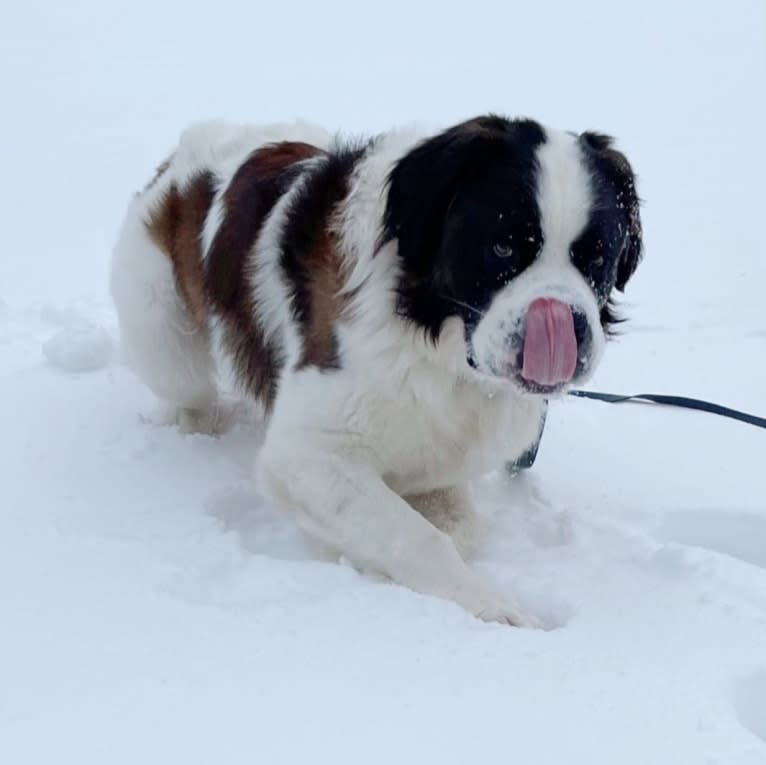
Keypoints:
pixel 401 307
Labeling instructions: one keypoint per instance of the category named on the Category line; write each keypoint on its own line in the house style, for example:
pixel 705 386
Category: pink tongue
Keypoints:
pixel 550 346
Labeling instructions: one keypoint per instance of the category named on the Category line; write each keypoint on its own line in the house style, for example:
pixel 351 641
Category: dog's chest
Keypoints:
pixel 434 432
pixel 422 428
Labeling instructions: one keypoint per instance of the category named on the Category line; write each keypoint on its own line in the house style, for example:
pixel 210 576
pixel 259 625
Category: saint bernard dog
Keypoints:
pixel 402 308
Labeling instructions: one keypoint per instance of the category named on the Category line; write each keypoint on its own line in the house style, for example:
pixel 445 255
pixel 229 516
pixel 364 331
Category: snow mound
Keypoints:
pixel 750 703
pixel 82 348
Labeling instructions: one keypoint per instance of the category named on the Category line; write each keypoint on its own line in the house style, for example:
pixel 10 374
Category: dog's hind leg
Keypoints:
pixel 162 342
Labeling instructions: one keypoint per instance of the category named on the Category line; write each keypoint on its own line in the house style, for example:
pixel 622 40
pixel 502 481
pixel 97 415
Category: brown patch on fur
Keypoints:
pixel 274 158
pixel 326 278
pixel 311 261
pixel 175 226
pixel 247 202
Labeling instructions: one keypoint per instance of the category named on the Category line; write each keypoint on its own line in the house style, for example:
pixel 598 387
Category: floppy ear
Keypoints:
pixel 421 188
pixel 425 182
pixel 633 247
pixel 632 250
pixel 617 168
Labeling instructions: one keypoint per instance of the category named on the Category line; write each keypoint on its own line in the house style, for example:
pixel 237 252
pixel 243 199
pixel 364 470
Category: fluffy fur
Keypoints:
pixel 372 297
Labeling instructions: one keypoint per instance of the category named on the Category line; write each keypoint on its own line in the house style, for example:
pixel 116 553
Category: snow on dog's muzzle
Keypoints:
pixel 550 343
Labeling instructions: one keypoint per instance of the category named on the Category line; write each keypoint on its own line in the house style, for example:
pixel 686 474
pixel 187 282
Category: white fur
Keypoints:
pixel 402 419
pixel 160 341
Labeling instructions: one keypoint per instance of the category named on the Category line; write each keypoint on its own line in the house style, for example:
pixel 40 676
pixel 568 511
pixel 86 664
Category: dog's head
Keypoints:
pixel 522 232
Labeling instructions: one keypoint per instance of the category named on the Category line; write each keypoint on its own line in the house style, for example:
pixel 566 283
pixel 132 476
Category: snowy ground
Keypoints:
pixel 153 609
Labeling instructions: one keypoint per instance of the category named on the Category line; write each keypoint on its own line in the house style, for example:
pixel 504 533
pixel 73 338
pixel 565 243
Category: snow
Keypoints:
pixel 155 610
pixel 79 349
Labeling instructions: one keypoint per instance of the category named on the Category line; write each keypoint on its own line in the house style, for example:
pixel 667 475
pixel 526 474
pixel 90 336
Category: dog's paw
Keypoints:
pixel 503 611
pixel 206 422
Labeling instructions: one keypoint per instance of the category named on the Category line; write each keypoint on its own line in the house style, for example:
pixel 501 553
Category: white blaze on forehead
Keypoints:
pixel 563 192
pixel 564 198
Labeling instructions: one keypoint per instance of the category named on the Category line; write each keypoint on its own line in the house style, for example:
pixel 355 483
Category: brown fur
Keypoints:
pixel 220 282
pixel 311 261
pixel 247 202
pixel 324 265
pixel 175 227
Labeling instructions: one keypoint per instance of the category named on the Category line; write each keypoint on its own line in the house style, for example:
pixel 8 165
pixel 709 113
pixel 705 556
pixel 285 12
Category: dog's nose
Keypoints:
pixel 584 337
pixel 581 328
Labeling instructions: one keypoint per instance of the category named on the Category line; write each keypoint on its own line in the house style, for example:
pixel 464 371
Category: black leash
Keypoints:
pixel 680 401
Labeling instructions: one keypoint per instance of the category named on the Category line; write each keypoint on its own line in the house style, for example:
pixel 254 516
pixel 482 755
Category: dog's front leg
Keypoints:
pixel 343 501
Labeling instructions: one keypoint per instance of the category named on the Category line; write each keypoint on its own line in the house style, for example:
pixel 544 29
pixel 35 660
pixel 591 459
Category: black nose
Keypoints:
pixel 584 337
pixel 580 326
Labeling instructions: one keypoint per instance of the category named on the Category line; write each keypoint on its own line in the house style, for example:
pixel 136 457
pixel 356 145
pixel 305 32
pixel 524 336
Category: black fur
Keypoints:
pixel 616 214
pixel 457 195
pixel 448 206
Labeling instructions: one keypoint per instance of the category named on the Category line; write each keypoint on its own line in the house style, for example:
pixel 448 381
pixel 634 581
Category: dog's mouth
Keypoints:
pixel 547 354
pixel 539 389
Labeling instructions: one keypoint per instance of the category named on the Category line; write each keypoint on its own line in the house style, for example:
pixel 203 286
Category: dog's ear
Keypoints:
pixel 614 164
pixel 423 184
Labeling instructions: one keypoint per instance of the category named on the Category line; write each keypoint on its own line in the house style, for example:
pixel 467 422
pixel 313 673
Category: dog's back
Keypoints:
pixel 178 266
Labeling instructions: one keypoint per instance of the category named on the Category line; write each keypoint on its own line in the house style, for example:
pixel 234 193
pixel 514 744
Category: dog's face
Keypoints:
pixel 522 233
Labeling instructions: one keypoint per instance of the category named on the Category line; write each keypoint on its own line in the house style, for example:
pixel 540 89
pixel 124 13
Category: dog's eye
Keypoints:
pixel 503 250
pixel 596 260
